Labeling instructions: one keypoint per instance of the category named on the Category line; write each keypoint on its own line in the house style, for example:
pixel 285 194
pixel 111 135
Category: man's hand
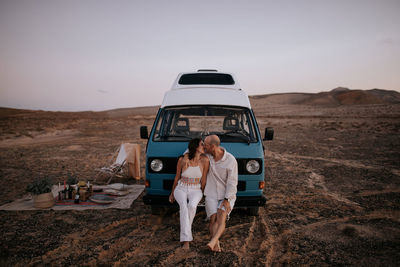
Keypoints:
pixel 227 206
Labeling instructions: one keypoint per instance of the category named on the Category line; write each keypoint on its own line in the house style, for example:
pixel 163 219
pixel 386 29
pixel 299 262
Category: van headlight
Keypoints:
pixel 252 166
pixel 156 165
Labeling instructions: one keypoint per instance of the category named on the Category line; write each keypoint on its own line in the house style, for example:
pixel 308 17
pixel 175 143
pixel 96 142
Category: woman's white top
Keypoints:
pixel 191 176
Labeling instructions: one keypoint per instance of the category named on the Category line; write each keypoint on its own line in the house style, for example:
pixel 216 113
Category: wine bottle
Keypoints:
pixel 66 192
pixel 77 196
pixel 65 196
pixel 70 192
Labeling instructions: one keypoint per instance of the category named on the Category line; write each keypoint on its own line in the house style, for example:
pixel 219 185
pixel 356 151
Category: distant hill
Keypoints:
pixel 123 112
pixel 337 96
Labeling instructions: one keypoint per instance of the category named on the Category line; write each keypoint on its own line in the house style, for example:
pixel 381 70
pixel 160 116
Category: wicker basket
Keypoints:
pixel 43 201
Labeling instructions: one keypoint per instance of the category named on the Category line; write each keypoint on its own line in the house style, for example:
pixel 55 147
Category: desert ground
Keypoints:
pixel 332 188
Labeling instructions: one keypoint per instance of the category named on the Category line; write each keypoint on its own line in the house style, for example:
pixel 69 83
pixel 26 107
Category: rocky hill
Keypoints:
pixel 337 96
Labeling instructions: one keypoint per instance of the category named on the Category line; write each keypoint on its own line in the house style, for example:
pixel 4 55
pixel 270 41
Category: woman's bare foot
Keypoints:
pixel 217 247
pixel 186 245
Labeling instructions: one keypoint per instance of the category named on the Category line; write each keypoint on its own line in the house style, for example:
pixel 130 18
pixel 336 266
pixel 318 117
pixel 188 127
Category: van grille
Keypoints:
pixel 241 186
pixel 170 165
pixel 242 166
pixel 167 184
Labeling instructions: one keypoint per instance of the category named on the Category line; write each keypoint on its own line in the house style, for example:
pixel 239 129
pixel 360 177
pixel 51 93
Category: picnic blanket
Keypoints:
pixel 120 202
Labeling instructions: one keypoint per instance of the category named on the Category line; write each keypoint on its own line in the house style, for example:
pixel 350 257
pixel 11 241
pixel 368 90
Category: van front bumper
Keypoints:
pixel 241 201
pixel 249 202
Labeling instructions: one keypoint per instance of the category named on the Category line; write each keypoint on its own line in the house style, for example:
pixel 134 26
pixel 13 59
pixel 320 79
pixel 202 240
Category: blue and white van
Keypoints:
pixel 199 104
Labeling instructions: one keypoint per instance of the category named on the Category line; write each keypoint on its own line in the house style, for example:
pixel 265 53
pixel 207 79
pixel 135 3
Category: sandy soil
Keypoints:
pixel 332 187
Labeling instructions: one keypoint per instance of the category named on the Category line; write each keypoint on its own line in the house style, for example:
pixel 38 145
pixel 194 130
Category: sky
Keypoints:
pixel 80 55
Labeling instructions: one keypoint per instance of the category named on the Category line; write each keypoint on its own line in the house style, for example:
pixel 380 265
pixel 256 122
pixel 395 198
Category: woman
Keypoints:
pixel 189 183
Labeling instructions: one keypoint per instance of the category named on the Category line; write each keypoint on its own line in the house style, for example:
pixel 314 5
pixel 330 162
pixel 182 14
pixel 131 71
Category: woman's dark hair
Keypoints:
pixel 193 145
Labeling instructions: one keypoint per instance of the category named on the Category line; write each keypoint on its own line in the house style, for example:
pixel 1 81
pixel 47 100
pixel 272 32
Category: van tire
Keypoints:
pixel 253 211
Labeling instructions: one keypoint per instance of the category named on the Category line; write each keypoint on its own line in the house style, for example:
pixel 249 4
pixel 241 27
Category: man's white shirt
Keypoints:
pixel 222 177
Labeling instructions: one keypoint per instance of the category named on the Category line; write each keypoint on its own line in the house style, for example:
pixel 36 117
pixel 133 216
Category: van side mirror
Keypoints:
pixel 269 133
pixel 143 132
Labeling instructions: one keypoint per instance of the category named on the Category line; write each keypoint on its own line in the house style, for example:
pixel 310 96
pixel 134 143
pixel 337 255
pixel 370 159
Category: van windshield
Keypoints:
pixel 231 124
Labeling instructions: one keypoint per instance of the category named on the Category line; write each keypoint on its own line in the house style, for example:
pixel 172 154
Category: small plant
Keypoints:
pixel 40 186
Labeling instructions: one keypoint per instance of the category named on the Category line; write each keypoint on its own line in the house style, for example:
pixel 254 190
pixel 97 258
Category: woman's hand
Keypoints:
pixel 171 198
pixel 227 206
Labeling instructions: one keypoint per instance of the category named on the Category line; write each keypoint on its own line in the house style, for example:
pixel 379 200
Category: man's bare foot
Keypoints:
pixel 214 246
pixel 211 246
pixel 186 245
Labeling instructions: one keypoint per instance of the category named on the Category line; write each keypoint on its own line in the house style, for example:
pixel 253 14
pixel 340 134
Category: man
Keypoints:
pixel 220 190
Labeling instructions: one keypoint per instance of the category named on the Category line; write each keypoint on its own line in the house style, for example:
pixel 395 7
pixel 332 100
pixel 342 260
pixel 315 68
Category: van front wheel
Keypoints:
pixel 253 211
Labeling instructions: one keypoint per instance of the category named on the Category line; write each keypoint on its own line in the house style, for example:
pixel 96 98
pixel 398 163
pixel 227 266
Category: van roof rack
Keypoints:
pixel 208 70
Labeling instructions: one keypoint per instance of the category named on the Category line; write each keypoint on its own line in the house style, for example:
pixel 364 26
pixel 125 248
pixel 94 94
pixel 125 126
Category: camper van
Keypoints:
pixel 199 104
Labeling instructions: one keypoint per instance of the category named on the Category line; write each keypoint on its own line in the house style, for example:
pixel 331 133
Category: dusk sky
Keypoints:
pixel 99 55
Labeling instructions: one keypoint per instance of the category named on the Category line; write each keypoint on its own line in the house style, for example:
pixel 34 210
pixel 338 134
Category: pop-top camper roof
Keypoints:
pixel 206 87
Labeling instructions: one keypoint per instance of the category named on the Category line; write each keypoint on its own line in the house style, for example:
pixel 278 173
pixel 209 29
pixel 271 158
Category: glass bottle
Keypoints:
pixel 77 196
pixel 66 192
pixel 70 192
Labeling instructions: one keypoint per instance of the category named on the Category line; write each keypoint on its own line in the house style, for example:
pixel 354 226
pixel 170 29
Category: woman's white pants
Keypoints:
pixel 187 198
